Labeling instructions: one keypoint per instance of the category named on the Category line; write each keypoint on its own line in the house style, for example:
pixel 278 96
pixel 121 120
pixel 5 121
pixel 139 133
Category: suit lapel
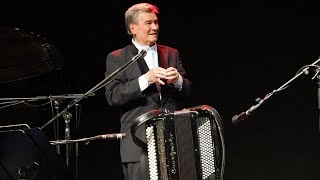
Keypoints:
pixel 152 90
pixel 141 62
pixel 143 65
pixel 162 60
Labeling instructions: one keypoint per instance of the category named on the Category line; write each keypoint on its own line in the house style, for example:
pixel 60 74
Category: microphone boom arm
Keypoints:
pixel 304 70
pixel 104 136
pixel 101 84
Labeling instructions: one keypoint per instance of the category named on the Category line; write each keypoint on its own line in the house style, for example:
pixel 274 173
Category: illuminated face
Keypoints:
pixel 145 29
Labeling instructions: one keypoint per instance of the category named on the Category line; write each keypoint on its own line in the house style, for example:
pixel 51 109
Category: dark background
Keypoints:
pixel 234 52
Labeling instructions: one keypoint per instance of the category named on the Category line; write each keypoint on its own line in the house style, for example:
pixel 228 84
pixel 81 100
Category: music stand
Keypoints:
pixel 27 154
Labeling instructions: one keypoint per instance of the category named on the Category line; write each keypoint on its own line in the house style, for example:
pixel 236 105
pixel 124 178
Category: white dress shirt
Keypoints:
pixel 151 59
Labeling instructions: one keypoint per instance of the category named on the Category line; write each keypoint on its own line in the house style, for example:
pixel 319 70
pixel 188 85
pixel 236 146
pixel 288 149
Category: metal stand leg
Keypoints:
pixel 318 78
pixel 56 126
pixel 77 159
pixel 67 117
pixel 77 136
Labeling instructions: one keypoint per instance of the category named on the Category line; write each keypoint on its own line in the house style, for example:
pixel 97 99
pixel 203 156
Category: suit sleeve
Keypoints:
pixel 120 89
pixel 186 85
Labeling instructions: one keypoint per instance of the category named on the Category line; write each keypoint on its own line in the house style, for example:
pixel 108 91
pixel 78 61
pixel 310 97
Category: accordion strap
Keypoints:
pixel 150 115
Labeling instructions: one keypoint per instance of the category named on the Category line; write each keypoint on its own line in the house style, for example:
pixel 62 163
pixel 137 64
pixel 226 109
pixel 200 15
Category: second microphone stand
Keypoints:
pixel 67 131
pixel 304 70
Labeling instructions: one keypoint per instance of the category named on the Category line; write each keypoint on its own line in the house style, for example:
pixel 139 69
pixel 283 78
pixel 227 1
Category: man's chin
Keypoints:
pixel 153 39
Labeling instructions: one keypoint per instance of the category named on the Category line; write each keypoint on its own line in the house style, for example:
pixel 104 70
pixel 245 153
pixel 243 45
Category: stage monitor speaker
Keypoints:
pixel 26 154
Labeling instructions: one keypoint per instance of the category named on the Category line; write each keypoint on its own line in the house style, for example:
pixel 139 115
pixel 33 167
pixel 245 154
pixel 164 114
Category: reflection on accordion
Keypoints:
pixel 183 145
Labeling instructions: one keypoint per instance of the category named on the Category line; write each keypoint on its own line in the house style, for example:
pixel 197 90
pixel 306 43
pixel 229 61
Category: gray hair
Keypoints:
pixel 131 14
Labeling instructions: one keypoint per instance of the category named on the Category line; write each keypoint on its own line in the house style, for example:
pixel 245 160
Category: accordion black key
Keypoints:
pixel 183 145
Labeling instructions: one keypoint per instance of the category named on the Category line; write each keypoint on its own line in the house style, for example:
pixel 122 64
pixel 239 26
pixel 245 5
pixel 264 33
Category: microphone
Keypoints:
pixel 103 136
pixel 240 117
pixel 109 136
pixel 142 53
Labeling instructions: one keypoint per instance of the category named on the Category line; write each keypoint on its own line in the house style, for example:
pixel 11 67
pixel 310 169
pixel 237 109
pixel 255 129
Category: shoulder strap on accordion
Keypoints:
pixel 151 115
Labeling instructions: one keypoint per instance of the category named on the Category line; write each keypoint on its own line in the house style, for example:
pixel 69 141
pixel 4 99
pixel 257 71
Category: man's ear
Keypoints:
pixel 132 28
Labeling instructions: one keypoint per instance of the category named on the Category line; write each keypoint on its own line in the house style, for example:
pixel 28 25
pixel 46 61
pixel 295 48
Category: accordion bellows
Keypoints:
pixel 183 145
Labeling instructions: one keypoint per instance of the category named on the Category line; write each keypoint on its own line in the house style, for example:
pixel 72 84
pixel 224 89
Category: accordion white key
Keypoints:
pixel 183 145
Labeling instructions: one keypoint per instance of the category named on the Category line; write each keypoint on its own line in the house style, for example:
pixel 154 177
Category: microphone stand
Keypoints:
pixel 86 140
pixel 77 144
pixel 55 101
pixel 56 104
pixel 68 141
pixel 67 117
pixel 62 97
pixel 304 70
pixel 318 93
pixel 101 84
pixel 76 101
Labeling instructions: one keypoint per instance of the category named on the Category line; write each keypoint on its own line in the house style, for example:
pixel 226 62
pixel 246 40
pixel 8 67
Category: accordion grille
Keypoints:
pixel 182 146
pixel 152 155
pixel 156 151
pixel 206 147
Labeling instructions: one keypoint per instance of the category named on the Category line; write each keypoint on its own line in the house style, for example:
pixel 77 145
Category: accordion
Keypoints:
pixel 183 145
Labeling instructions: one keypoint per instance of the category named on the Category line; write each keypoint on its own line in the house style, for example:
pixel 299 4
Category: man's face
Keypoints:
pixel 145 30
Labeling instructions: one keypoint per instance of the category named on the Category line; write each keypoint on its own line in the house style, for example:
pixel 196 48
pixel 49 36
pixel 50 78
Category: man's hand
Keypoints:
pixel 156 75
pixel 172 75
pixel 161 75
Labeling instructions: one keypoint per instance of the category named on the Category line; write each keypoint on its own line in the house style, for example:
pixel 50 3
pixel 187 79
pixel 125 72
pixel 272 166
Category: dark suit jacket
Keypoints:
pixel 124 92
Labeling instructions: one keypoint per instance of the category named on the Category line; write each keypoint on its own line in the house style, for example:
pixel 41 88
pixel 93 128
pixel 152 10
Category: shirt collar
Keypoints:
pixel 141 46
